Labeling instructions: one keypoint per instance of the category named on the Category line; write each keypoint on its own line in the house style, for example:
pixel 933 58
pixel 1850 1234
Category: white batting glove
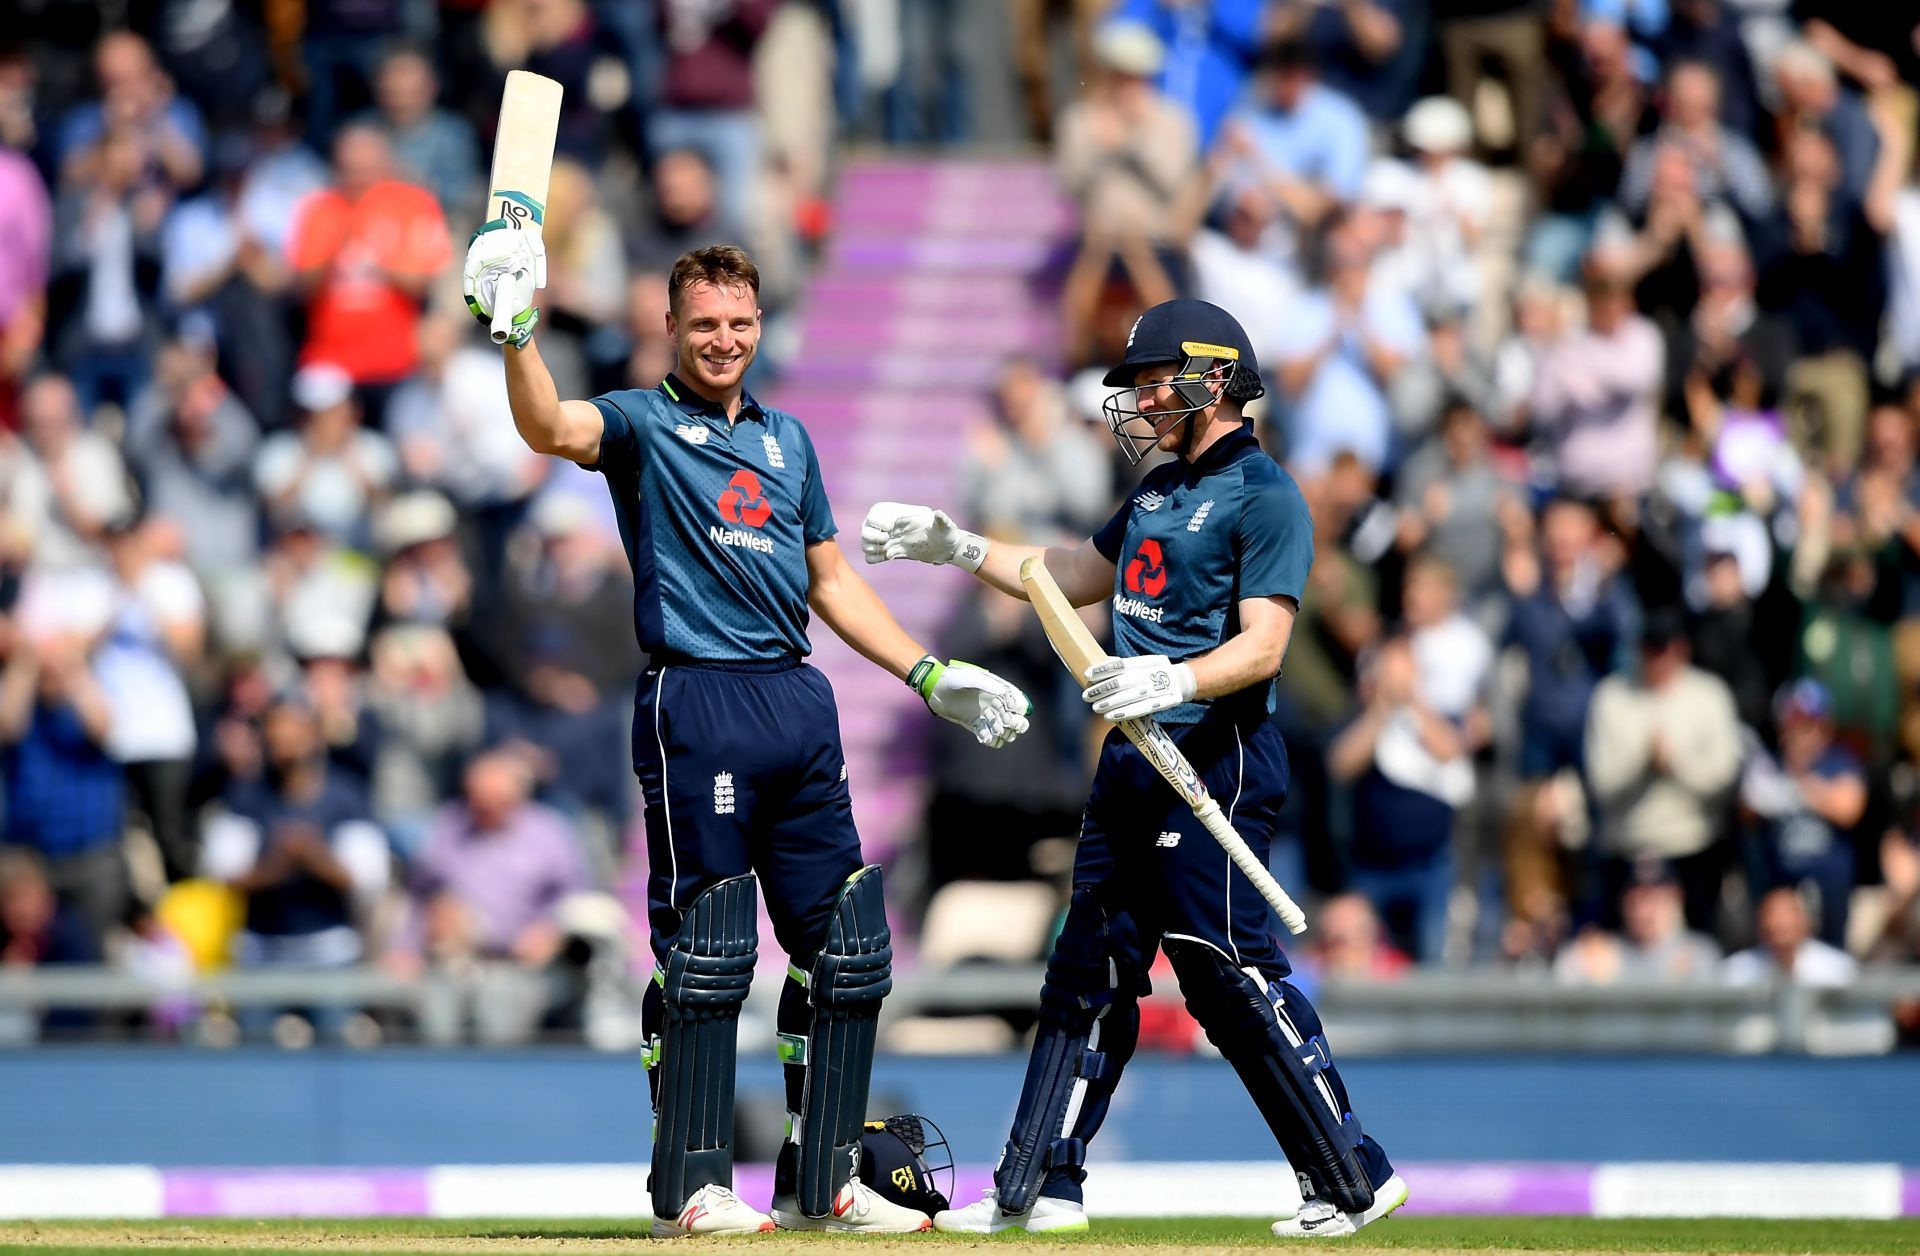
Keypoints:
pixel 1126 689
pixel 896 530
pixel 994 711
pixel 505 264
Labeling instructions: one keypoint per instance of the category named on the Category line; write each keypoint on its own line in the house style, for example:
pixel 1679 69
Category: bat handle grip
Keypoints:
pixel 513 294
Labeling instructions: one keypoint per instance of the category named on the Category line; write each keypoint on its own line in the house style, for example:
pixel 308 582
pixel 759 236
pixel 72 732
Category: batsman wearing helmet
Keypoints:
pixel 1205 565
pixel 736 740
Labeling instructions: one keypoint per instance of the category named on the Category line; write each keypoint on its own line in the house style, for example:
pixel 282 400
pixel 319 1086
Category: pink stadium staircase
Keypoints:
pixel 928 287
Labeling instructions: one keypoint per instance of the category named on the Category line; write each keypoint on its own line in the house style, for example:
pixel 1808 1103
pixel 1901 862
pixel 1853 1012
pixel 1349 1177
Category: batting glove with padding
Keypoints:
pixel 505 265
pixel 1126 689
pixel 921 533
pixel 994 711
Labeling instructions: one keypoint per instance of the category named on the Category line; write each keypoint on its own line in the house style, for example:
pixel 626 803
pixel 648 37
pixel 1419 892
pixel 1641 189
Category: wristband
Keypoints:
pixel 969 550
pixel 925 675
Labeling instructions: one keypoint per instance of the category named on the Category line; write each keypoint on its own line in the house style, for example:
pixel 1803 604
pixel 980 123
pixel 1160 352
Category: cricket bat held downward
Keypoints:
pixel 1079 651
pixel 517 188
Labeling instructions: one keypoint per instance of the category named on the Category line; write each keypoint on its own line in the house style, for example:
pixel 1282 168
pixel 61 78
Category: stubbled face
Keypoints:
pixel 1162 407
pixel 715 331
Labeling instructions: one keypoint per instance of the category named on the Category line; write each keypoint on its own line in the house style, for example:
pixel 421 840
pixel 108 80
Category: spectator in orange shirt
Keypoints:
pixel 366 250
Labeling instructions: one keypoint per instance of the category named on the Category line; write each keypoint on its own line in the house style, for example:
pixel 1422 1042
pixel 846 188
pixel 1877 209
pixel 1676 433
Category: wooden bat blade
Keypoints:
pixel 523 150
pixel 1077 648
pixel 1072 640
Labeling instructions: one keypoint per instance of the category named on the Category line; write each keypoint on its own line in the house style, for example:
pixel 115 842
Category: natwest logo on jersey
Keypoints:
pixel 744 502
pixel 1147 573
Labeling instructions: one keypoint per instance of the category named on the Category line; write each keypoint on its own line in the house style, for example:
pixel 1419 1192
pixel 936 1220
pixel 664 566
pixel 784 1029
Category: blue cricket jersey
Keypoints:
pixel 1195 540
pixel 716 518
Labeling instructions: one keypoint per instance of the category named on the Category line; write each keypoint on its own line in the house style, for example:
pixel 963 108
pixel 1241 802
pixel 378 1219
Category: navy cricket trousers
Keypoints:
pixel 741 770
pixel 1148 858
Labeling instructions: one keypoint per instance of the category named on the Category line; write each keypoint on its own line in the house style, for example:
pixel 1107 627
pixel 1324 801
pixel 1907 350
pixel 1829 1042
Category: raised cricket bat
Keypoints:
pixel 517 188
pixel 1079 651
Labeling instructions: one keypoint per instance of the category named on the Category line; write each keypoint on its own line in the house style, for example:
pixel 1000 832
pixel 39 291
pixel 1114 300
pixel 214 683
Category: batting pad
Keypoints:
pixel 705 980
pixel 850 976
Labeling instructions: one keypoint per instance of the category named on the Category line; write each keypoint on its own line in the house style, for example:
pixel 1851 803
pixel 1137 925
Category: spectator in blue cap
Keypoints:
pixel 1803 801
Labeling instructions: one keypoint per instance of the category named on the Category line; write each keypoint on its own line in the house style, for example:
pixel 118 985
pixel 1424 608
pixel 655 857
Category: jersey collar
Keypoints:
pixel 1228 448
pixel 691 402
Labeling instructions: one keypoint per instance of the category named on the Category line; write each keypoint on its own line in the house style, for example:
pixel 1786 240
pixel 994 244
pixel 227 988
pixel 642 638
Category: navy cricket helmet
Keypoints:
pixel 906 1159
pixel 1211 356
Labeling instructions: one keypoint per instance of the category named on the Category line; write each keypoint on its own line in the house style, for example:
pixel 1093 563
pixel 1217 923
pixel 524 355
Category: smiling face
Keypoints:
pixel 1160 405
pixel 715 329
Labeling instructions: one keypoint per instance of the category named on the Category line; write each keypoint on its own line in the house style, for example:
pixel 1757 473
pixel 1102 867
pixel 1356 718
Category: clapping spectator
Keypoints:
pixel 165 137
pixel 1235 267
pixel 297 841
pixel 1662 752
pixel 1346 340
pixel 1125 154
pixel 1302 140
pixel 1410 752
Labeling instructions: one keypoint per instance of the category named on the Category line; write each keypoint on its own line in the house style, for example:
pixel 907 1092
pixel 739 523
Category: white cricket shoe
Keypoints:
pixel 1322 1219
pixel 713 1210
pixel 985 1216
pixel 856 1209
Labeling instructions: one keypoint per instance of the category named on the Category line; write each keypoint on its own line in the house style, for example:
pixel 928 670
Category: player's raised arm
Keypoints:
pixel 897 530
pixel 508 265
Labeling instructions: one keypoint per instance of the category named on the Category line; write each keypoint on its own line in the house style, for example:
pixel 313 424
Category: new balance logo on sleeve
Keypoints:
pixel 692 433
pixel 1168 839
pixel 1150 501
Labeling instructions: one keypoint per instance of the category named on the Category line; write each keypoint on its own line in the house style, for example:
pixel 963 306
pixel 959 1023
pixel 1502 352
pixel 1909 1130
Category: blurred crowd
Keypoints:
pixel 306 660
pixel 1590 329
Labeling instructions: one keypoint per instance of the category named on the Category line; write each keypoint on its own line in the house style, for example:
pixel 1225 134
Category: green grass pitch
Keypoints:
pixel 1411 1236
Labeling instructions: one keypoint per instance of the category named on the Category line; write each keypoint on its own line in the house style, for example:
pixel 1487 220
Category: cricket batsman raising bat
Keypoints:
pixel 1205 565
pixel 736 740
